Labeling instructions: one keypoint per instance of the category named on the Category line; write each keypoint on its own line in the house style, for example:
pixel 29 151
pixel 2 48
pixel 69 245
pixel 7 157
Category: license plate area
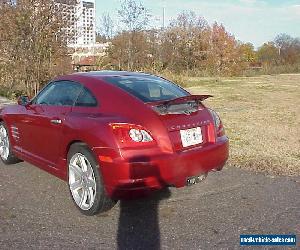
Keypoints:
pixel 191 137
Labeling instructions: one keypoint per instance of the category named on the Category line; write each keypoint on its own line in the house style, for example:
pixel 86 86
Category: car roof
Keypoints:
pixel 100 74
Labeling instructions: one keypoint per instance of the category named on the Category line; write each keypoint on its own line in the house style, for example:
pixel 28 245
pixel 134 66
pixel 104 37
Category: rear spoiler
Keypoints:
pixel 183 99
pixel 189 104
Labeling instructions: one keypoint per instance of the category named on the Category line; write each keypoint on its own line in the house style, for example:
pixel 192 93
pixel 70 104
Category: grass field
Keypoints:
pixel 262 119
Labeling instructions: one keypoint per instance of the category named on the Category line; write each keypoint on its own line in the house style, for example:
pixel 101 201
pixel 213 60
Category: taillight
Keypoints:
pixel 220 131
pixel 131 135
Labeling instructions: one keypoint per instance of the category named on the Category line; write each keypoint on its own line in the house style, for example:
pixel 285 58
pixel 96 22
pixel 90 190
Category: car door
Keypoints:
pixel 45 121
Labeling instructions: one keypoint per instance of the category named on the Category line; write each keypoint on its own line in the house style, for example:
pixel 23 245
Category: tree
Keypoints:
pixel 288 48
pixel 185 42
pixel 134 17
pixel 33 44
pixel 268 54
pixel 106 26
pixel 248 53
pixel 224 54
pixel 140 51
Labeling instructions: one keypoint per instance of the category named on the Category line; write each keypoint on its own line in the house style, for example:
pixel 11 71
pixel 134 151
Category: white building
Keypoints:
pixel 82 16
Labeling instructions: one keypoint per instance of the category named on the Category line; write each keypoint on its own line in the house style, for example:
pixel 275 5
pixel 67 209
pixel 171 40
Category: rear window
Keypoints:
pixel 148 88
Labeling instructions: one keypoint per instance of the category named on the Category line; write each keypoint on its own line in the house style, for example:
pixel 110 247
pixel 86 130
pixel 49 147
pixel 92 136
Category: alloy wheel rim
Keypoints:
pixel 82 181
pixel 4 143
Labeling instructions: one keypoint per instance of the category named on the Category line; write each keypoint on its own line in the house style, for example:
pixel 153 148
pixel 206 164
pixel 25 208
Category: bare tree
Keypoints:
pixel 106 26
pixel 288 48
pixel 133 15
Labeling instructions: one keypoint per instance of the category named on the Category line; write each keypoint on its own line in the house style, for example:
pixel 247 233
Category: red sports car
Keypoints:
pixel 114 135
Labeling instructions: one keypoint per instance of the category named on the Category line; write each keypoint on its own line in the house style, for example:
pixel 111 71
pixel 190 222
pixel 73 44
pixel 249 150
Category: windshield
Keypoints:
pixel 148 88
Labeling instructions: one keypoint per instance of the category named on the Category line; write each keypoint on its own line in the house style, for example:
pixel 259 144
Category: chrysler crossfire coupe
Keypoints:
pixel 114 135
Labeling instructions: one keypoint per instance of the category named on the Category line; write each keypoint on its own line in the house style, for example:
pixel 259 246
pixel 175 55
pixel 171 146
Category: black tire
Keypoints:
pixel 102 202
pixel 11 159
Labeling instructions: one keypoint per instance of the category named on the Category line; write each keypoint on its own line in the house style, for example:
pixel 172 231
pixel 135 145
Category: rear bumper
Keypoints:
pixel 129 178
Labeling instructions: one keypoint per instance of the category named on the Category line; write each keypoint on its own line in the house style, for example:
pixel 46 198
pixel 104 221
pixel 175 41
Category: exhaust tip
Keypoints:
pixel 196 179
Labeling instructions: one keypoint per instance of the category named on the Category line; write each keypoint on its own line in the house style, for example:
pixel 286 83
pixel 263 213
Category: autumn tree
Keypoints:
pixel 33 38
pixel 248 52
pixel 268 54
pixel 224 56
pixel 185 42
pixel 140 53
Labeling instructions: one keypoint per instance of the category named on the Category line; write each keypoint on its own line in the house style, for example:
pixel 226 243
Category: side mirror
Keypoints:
pixel 23 100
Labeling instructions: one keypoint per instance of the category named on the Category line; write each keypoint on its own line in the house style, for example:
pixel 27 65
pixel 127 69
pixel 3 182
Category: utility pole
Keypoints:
pixel 162 30
pixel 163 4
pixel 163 19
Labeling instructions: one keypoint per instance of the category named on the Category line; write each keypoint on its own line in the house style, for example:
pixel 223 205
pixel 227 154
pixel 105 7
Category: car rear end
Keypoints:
pixel 199 143
pixel 176 141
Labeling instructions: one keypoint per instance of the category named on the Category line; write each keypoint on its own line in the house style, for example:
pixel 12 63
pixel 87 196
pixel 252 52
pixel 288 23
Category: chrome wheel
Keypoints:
pixel 82 181
pixel 4 143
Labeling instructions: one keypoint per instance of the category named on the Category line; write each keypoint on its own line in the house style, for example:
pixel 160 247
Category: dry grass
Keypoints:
pixel 262 119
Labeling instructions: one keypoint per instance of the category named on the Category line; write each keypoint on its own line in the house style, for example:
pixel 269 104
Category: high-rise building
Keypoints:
pixel 83 22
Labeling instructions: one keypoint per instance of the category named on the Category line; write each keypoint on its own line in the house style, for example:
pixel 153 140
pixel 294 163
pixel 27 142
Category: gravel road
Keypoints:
pixel 36 212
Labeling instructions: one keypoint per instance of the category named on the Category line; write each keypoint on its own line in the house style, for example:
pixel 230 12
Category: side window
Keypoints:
pixel 42 96
pixel 86 99
pixel 62 93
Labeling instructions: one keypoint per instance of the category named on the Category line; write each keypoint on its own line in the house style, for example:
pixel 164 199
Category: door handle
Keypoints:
pixel 56 121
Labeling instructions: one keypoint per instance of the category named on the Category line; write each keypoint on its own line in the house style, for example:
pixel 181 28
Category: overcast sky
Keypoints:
pixel 255 21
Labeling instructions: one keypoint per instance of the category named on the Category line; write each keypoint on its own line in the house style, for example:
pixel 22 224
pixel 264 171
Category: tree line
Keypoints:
pixel 189 45
pixel 34 35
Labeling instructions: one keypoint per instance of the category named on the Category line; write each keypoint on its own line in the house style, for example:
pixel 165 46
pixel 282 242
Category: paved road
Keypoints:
pixel 36 212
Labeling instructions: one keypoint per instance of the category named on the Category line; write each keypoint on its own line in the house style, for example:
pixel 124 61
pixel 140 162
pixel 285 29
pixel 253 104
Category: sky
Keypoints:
pixel 255 21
